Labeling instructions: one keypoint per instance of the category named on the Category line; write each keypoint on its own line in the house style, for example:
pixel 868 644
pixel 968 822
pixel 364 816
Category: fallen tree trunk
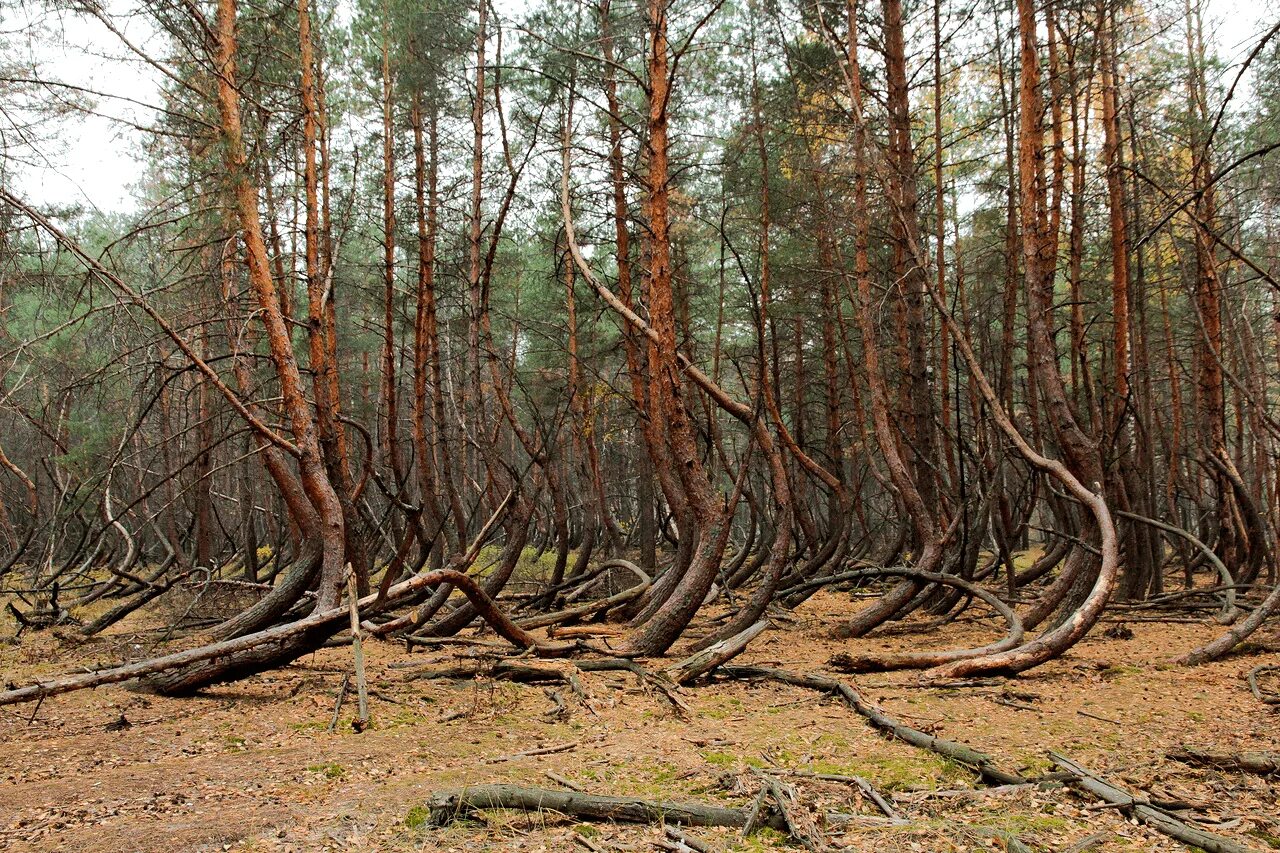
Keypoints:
pixel 1153 817
pixel 714 655
pixel 448 806
pixel 115 614
pixel 1264 763
pixel 1237 634
pixel 512 670
pixel 1229 610
pixel 1260 531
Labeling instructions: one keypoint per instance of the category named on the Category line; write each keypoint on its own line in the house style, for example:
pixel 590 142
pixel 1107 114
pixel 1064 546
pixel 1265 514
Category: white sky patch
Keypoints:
pixel 91 159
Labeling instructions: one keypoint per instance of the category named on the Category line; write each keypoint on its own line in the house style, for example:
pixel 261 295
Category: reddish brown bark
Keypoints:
pixel 315 479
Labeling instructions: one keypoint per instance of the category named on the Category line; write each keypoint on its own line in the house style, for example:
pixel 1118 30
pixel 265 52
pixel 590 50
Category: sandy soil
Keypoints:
pixel 252 767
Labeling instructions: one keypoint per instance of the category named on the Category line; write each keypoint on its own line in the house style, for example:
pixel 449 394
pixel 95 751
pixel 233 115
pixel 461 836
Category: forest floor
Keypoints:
pixel 252 767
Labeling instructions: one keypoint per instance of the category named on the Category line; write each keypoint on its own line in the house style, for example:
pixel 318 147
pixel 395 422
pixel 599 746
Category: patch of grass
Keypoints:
pixel 312 726
pixel 586 830
pixel 896 774
pixel 329 769
pixel 666 773
pixel 1018 824
pixel 417 817
pixel 405 716
pixel 527 568
pixel 1267 838
pixel 720 758
pixel 763 839
pixel 1033 763
pixel 653 778
pixel 1119 669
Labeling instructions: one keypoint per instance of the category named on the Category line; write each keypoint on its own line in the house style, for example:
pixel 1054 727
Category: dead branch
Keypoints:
pixel 592 607
pixel 1156 818
pixel 924 660
pixel 981 763
pixel 448 806
pixel 1263 697
pixel 1264 763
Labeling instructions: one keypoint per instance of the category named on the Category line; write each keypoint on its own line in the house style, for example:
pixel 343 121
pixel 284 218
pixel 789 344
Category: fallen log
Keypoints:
pixel 448 806
pixel 868 790
pixel 1089 841
pixel 507 670
pixel 513 670
pixel 979 762
pixel 799 826
pixel 1264 763
pixel 684 841
pixel 1156 818
pixel 1241 631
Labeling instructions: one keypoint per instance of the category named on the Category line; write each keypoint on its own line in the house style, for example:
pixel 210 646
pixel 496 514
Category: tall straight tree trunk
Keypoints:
pixel 940 232
pixel 391 421
pixel 1079 450
pixel 321 301
pixel 204 462
pixel 1081 381
pixel 902 187
pixel 317 262
pixel 434 465
pixel 315 478
pixel 1111 147
pixel 1207 339
pixel 475 227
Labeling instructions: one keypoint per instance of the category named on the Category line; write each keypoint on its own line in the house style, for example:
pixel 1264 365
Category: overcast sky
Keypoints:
pixel 94 160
